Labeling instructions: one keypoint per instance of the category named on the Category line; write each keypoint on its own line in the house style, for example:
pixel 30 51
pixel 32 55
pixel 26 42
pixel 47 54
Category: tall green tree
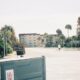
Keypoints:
pixel 60 34
pixel 9 33
pixel 68 27
pixel 7 40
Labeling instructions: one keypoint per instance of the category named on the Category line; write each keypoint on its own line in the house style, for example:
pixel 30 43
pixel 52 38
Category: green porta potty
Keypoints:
pixel 23 69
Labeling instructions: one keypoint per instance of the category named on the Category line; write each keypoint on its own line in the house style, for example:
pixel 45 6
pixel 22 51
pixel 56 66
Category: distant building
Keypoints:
pixel 38 40
pixel 31 40
pixel 78 30
pixel 78 27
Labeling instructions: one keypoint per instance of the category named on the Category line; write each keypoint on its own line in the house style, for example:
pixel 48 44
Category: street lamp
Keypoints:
pixel 4 41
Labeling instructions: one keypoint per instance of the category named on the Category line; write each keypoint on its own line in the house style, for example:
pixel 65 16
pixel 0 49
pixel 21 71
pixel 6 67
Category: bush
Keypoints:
pixel 1 52
pixel 8 49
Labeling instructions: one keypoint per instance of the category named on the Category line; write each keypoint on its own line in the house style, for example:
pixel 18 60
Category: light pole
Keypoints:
pixel 4 45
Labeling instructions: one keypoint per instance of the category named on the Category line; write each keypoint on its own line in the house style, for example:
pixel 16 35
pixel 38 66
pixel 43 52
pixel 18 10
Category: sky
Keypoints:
pixel 39 16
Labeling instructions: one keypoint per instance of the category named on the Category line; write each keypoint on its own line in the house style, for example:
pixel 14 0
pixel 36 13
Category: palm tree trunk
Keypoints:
pixel 68 33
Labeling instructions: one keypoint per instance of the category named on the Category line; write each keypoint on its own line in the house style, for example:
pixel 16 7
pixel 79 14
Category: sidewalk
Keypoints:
pixel 12 55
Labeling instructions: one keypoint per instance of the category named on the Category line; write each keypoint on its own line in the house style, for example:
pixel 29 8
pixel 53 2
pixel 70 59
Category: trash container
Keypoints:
pixel 23 69
pixel 20 52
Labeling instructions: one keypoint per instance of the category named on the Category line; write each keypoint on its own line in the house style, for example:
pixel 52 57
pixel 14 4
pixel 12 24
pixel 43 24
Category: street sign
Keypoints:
pixel 10 74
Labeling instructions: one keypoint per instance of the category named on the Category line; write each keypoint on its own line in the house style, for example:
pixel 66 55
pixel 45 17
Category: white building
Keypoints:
pixel 38 40
pixel 31 40
pixel 78 30
pixel 78 27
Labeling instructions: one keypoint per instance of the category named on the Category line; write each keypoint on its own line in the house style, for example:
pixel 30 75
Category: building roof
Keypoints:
pixel 36 34
pixel 52 34
pixel 28 34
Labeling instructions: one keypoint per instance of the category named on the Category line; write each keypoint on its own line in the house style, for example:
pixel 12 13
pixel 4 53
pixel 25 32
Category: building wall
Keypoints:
pixel 31 40
pixel 78 30
pixel 37 40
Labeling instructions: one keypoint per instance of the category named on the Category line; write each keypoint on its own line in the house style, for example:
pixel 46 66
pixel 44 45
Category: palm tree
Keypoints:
pixel 62 37
pixel 59 32
pixel 68 27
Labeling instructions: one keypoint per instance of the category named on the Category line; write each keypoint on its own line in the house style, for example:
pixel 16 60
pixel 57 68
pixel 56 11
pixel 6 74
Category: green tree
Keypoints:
pixel 68 27
pixel 1 48
pixel 59 32
pixel 74 37
pixel 8 48
pixel 49 41
pixel 9 33
pixel 62 38
pixel 7 40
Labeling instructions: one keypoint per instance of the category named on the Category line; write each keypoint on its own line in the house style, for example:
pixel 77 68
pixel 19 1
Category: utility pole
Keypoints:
pixel 4 42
